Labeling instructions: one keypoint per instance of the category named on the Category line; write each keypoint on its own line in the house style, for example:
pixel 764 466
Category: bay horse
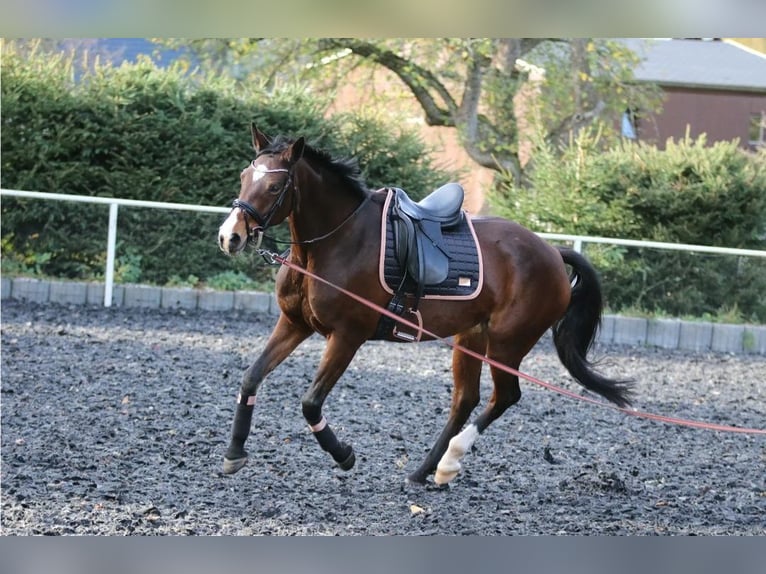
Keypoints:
pixel 334 223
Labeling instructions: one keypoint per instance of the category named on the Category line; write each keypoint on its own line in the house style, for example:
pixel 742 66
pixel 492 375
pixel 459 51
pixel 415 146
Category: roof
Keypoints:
pixel 710 64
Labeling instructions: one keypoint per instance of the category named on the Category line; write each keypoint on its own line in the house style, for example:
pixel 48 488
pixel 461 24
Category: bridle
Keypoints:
pixel 263 220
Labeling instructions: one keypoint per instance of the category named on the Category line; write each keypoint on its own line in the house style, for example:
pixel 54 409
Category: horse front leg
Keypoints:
pixel 337 356
pixel 285 337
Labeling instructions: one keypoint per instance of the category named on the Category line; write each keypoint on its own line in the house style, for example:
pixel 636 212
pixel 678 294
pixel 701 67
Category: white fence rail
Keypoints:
pixel 114 203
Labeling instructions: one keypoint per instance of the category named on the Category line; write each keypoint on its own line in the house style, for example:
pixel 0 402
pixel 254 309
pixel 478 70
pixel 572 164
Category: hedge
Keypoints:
pixel 690 192
pixel 141 132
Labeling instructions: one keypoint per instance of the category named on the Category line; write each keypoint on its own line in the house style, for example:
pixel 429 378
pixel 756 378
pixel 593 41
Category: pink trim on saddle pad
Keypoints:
pixel 382 259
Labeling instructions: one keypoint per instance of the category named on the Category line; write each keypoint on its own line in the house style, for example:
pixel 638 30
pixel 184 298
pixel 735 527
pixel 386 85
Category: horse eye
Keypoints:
pixel 274 187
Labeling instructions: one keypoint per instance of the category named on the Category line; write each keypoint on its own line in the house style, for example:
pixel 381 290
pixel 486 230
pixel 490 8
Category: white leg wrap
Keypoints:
pixel 449 465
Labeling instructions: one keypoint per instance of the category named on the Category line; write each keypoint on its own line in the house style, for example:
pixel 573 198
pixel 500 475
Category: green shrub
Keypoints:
pixel 231 281
pixel 177 281
pixel 688 193
pixel 140 132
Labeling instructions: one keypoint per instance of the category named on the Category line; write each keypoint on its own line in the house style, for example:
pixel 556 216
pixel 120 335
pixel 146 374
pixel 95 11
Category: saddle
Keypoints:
pixel 428 250
pixel 417 227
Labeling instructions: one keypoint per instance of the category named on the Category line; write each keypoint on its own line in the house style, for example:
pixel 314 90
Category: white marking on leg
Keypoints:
pixel 449 465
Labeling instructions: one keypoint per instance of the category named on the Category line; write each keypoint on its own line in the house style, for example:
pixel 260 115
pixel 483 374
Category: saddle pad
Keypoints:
pixel 466 272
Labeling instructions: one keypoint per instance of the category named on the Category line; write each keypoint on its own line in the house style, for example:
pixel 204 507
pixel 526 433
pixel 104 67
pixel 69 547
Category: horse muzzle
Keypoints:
pixel 235 233
pixel 233 243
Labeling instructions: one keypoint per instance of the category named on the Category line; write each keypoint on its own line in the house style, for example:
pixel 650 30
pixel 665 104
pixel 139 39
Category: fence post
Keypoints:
pixel 111 243
pixel 578 245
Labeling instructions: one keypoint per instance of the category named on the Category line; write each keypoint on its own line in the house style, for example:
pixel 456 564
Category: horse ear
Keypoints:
pixel 260 140
pixel 295 151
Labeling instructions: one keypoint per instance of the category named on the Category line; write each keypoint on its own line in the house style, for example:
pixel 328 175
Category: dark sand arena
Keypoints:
pixel 115 421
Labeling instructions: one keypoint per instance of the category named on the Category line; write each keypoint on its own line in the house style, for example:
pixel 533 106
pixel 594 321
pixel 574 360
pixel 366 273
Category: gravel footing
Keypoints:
pixel 114 421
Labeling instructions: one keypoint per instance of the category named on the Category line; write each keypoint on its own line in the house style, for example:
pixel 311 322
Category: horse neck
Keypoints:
pixel 323 202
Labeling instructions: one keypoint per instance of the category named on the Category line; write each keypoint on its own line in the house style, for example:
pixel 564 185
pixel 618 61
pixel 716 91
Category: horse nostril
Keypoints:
pixel 234 239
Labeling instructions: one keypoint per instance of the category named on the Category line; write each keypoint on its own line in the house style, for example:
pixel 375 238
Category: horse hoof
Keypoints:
pixel 444 476
pixel 230 466
pixel 415 479
pixel 348 464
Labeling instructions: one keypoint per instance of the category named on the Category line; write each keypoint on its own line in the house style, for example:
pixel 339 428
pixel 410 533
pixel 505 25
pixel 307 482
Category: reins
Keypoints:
pixel 321 237
pixel 282 259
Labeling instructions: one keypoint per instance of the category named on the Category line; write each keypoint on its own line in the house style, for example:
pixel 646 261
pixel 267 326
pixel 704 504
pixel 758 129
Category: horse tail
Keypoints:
pixel 575 332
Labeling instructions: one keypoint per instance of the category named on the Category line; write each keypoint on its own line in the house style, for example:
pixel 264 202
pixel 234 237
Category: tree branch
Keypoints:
pixel 419 80
pixel 467 114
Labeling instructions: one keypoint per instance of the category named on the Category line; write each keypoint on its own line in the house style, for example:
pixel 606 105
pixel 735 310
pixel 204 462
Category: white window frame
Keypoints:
pixel 761 141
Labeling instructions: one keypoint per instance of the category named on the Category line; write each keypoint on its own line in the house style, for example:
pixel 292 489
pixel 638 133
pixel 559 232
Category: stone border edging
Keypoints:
pixel 663 333
pixel 134 295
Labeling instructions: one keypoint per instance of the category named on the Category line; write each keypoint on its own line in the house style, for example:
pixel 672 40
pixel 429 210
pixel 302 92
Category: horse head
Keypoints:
pixel 263 196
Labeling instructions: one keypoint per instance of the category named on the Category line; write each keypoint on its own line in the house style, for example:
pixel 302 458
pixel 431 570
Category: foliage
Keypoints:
pixel 471 84
pixel 22 262
pixel 231 281
pixel 688 193
pixel 128 268
pixel 140 132
pixel 389 157
pixel 587 82
pixel 178 281
pixel 569 191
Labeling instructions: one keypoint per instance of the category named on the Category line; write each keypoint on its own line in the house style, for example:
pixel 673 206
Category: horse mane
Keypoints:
pixel 347 169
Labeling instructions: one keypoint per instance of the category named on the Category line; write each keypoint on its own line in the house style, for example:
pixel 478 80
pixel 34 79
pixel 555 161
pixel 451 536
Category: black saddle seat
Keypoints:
pixel 420 246
pixel 442 205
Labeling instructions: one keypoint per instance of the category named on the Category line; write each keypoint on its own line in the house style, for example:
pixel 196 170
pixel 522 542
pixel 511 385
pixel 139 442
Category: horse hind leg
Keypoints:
pixel 506 393
pixel 466 372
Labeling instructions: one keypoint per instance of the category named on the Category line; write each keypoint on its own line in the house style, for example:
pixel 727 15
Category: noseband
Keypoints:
pixel 264 220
